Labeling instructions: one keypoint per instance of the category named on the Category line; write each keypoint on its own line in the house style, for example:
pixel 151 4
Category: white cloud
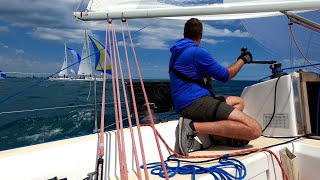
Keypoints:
pixel 211 41
pixel 19 51
pixel 53 20
pixel 161 32
pixel 214 32
pixel 2 45
pixel 10 64
pixel 63 35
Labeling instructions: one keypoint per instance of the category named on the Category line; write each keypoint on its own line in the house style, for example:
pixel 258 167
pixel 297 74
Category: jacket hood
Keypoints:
pixel 181 45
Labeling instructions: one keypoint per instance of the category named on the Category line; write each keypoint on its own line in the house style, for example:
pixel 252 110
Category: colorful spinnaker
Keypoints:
pixel 78 59
pixel 100 55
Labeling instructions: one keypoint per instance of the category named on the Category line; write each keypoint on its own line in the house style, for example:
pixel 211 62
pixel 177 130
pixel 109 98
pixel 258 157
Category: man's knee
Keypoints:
pixel 236 102
pixel 241 104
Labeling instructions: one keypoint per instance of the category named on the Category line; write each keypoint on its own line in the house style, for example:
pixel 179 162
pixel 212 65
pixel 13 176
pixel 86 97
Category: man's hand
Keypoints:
pixel 246 57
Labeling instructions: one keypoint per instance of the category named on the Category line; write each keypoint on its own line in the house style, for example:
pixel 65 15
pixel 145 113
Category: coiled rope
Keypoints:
pixel 217 171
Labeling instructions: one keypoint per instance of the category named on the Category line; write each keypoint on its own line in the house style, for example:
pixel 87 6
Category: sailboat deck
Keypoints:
pixel 76 157
pixel 218 150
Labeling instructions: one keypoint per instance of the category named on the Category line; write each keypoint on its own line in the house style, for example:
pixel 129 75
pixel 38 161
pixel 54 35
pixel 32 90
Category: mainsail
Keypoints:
pixel 64 70
pixel 99 51
pixel 85 67
pixel 274 34
pixel 208 10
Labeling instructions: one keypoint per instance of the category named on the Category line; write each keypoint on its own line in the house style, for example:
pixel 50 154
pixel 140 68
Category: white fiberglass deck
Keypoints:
pixel 75 158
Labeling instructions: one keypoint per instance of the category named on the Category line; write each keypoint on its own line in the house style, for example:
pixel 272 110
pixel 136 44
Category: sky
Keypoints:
pixel 33 33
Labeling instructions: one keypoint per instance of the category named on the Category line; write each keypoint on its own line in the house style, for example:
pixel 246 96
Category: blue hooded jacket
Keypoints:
pixel 195 63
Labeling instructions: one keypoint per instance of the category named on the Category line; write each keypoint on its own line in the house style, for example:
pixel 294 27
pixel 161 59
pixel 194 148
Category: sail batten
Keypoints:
pixel 252 7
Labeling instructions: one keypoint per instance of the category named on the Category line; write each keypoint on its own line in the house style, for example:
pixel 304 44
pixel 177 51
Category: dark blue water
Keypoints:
pixel 33 127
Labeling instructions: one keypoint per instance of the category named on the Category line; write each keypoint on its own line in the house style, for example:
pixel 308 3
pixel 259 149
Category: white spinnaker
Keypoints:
pixel 229 9
pixel 85 67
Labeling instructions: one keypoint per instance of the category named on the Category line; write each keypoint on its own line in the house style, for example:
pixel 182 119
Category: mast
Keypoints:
pixel 216 9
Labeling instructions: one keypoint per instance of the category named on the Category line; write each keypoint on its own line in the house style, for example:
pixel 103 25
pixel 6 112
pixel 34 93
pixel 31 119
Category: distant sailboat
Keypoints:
pixel 63 74
pixel 85 72
pixel 85 67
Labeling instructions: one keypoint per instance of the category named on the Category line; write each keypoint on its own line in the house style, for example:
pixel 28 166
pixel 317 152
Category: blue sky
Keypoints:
pixel 33 33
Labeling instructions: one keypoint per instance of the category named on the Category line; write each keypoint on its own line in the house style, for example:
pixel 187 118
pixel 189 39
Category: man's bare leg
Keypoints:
pixel 237 126
pixel 236 102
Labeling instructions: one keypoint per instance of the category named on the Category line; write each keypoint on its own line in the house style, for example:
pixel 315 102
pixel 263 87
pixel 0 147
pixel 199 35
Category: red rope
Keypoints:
pixel 135 108
pixel 119 100
pixel 101 136
pixel 295 42
pixel 148 106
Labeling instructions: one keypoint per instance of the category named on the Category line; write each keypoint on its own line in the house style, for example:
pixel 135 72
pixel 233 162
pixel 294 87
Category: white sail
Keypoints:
pixel 85 67
pixel 64 70
pixel 229 9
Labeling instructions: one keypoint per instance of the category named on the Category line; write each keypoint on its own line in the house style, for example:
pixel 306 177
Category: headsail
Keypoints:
pixel 64 70
pixel 99 51
pixel 218 10
pixel 85 67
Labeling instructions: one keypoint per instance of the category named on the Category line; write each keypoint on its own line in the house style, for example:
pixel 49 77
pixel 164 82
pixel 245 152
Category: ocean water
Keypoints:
pixel 23 124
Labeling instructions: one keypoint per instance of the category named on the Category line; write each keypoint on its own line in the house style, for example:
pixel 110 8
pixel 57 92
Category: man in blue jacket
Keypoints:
pixel 201 111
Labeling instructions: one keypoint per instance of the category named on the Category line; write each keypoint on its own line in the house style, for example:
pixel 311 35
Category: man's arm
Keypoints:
pixel 235 68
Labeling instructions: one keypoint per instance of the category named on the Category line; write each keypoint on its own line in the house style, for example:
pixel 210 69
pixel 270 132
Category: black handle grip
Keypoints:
pixel 263 62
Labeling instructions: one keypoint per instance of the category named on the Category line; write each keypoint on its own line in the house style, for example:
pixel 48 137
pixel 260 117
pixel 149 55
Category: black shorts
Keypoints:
pixel 207 109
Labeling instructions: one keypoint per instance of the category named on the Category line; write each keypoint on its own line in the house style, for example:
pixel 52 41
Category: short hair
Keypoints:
pixel 193 29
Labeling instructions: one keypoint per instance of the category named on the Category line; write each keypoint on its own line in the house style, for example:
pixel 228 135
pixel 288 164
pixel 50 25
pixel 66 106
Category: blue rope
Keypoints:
pixel 217 171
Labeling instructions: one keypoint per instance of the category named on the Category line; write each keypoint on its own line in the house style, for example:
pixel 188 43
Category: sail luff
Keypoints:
pixel 215 9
